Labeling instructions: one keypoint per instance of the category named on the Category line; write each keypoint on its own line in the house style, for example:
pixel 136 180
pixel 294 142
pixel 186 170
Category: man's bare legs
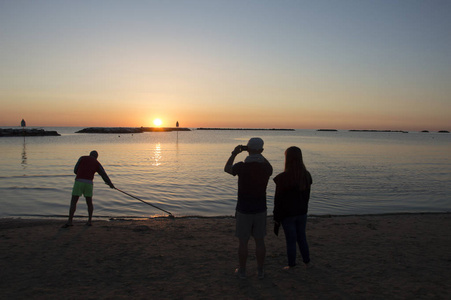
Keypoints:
pixel 260 253
pixel 242 257
pixel 73 208
pixel 90 210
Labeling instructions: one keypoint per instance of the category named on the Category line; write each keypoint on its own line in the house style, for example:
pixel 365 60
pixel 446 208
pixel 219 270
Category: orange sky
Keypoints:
pixel 302 65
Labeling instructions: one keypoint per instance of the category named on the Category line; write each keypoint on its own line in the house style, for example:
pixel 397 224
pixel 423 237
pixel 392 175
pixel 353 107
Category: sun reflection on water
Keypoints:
pixel 157 155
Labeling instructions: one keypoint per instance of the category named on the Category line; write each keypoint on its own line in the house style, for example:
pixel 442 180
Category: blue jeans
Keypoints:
pixel 294 228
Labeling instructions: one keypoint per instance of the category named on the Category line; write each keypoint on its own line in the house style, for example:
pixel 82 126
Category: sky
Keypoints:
pixel 342 64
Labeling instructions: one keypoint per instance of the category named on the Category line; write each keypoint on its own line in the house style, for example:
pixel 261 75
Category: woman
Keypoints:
pixel 291 204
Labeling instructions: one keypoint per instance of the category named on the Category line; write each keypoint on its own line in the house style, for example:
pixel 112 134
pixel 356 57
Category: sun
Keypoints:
pixel 157 122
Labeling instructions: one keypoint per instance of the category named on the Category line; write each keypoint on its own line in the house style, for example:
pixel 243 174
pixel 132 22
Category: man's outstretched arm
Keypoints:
pixel 105 177
pixel 229 163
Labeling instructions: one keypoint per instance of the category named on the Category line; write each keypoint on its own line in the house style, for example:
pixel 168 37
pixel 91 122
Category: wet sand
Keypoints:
pixel 406 256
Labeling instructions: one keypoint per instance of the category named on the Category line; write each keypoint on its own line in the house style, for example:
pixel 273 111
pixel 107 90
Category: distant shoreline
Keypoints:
pixel 271 129
pixel 15 132
pixel 377 130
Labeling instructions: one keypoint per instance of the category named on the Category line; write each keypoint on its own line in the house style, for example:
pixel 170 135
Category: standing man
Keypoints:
pixel 85 169
pixel 253 176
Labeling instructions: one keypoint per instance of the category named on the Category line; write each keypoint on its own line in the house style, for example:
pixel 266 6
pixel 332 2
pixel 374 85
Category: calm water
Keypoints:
pixel 353 172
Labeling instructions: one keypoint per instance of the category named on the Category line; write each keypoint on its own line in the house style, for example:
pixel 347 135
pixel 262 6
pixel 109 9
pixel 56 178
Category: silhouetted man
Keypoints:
pixel 85 169
pixel 253 175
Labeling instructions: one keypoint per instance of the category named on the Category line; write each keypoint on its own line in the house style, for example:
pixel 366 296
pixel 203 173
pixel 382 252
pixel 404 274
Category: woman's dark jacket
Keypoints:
pixel 289 200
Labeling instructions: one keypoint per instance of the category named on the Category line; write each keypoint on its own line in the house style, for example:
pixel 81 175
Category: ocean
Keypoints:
pixel 353 173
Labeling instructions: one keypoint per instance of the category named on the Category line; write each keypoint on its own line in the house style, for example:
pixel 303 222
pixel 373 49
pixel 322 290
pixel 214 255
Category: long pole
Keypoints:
pixel 170 215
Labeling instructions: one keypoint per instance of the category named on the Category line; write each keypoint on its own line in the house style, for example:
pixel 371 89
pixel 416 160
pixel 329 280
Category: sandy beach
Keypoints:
pixel 406 256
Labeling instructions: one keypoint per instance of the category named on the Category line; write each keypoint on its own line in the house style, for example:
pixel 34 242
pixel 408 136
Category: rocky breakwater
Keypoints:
pixel 124 130
pixel 27 132
pixel 110 130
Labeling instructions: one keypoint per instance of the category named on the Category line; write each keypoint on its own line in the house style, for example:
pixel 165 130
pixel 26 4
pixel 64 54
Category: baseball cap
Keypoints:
pixel 255 143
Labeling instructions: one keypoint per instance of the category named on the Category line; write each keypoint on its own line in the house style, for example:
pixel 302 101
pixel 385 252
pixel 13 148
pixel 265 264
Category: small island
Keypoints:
pixel 9 132
pixel 376 130
pixel 125 130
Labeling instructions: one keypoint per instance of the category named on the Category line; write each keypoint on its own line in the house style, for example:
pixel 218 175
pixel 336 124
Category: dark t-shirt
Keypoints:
pixel 290 200
pixel 253 179
pixel 87 166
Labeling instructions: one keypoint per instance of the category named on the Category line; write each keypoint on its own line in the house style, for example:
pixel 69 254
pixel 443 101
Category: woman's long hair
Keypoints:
pixel 295 168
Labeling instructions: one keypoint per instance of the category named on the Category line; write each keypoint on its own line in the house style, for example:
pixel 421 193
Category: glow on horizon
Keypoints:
pixel 303 65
